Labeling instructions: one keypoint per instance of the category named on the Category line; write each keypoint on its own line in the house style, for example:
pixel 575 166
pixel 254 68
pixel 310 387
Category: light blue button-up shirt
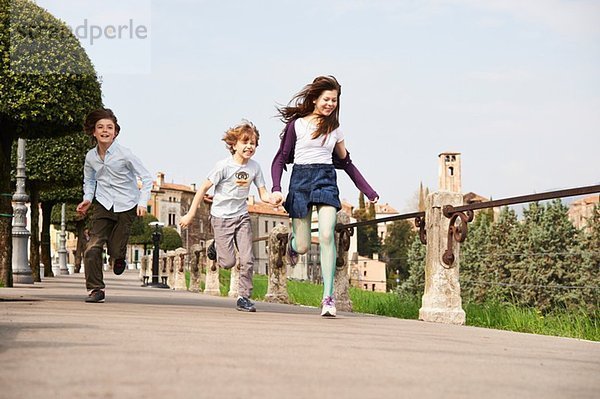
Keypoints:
pixel 114 180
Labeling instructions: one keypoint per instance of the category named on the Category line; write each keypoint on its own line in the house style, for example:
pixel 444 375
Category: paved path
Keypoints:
pixel 155 343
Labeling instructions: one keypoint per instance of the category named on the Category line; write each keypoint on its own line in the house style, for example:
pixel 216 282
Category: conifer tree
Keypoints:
pixel 549 239
pixel 589 276
pixel 397 244
pixel 415 283
pixel 474 255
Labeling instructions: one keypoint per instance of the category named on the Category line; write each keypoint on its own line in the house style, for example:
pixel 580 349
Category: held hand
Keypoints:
pixel 83 207
pixel 185 221
pixel 277 198
pixel 141 211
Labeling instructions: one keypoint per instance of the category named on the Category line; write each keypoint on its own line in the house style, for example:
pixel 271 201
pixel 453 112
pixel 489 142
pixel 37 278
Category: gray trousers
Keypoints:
pixel 110 228
pixel 235 231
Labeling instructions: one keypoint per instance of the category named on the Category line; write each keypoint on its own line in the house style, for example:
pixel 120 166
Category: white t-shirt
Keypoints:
pixel 232 186
pixel 312 151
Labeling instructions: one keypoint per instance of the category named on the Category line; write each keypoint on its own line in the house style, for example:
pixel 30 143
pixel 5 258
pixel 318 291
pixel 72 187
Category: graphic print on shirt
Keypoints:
pixel 242 179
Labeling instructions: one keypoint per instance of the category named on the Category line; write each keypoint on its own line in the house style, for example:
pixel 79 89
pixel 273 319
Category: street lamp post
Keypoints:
pixel 156 234
pixel 62 244
pixel 20 235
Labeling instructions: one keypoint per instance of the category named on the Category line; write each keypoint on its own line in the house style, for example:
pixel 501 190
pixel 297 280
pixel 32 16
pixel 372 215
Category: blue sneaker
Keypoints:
pixel 245 305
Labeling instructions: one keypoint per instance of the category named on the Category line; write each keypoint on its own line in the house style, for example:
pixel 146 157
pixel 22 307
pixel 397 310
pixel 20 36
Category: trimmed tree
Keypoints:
pixel 47 85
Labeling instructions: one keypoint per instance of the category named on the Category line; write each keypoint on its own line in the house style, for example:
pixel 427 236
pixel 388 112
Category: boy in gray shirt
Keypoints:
pixel 230 220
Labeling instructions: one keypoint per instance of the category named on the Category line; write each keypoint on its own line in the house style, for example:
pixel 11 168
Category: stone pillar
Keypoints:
pixel 20 235
pixel 163 269
pixel 197 254
pixel 441 301
pixel 145 270
pixel 62 242
pixel 277 286
pixel 341 282
pixel 171 269
pixel 234 280
pixel 179 265
pixel 212 285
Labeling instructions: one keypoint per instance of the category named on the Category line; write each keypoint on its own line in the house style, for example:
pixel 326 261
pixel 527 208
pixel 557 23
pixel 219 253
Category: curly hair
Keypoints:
pixel 241 132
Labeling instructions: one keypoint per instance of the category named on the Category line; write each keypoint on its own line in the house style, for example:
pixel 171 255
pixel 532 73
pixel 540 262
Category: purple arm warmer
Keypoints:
pixel 284 155
pixel 359 181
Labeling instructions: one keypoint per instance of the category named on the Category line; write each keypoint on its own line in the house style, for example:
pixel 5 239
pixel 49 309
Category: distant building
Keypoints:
pixel 264 217
pixel 582 209
pixel 384 211
pixel 367 274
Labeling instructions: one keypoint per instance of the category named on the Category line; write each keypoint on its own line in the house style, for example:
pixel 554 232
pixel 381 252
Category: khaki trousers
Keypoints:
pixel 238 231
pixel 110 228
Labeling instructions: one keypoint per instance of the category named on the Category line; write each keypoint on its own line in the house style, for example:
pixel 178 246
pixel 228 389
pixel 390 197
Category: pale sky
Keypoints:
pixel 513 85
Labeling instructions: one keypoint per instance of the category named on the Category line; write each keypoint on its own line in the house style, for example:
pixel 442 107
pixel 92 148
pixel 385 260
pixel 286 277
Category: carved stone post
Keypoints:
pixel 20 235
pixel 164 270
pixel 62 242
pixel 179 265
pixel 234 280
pixel 277 287
pixel 171 269
pixel 145 270
pixel 212 285
pixel 341 282
pixel 441 301
pixel 195 269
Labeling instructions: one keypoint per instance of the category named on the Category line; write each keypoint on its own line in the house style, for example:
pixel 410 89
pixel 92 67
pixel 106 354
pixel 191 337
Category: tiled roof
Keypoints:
pixel 266 209
pixel 385 209
pixel 592 199
pixel 172 186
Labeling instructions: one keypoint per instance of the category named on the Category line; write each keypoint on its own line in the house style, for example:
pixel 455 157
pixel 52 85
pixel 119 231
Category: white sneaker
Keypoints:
pixel 328 307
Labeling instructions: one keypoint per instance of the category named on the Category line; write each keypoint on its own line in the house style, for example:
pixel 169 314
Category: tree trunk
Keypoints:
pixel 6 278
pixel 81 244
pixel 34 244
pixel 45 241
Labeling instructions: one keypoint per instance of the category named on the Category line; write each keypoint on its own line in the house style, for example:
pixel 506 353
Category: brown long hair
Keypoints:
pixel 302 104
pixel 89 125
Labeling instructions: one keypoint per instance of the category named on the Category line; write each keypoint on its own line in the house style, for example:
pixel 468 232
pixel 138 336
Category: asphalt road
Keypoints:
pixel 156 343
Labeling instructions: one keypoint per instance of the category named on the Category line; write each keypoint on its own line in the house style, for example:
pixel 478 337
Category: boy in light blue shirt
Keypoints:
pixel 230 220
pixel 110 185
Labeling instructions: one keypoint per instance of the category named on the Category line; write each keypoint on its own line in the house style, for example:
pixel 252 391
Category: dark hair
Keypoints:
pixel 302 104
pixel 89 125
pixel 244 131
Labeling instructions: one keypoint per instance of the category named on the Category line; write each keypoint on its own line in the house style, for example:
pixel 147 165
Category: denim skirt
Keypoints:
pixel 312 185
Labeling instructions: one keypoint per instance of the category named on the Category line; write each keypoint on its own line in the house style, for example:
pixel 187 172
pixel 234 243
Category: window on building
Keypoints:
pixel 373 287
pixel 274 223
pixel 366 286
pixel 149 208
pixel 171 219
pixel 267 268
pixel 266 226
pixel 365 273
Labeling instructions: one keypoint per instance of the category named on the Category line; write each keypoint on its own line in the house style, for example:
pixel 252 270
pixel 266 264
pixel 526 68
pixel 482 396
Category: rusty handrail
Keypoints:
pixel 529 198
pixel 465 212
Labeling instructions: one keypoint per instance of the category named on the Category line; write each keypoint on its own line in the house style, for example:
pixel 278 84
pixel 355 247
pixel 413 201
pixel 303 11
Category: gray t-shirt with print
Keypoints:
pixel 232 186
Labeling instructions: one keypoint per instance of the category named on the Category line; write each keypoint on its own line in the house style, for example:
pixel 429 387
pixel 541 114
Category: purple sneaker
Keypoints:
pixel 292 256
pixel 328 307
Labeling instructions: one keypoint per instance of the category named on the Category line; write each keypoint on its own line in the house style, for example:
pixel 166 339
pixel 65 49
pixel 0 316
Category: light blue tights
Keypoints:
pixel 301 242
